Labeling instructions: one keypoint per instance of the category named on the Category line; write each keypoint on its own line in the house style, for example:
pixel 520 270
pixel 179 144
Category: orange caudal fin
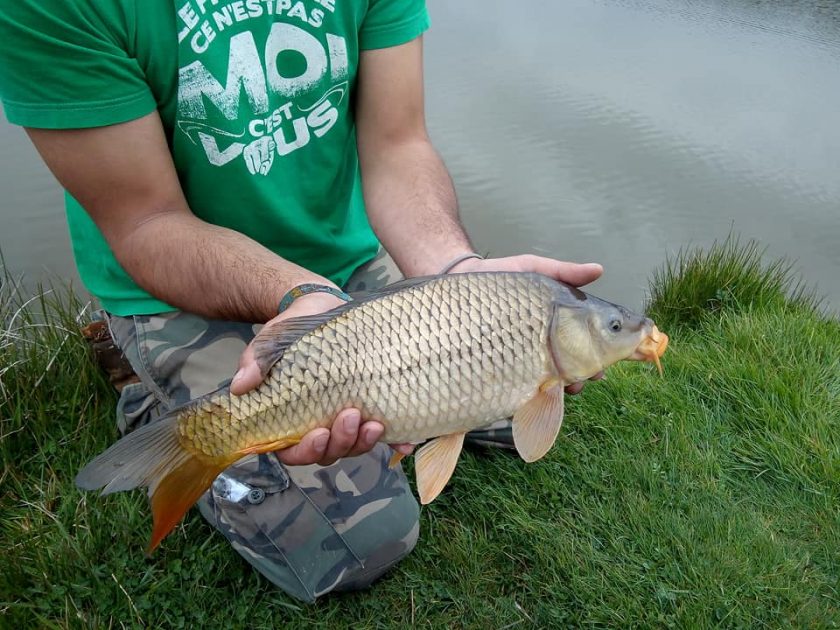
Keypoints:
pixel 176 493
pixel 153 457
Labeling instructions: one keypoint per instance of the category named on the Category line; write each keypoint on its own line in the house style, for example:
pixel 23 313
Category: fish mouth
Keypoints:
pixel 651 348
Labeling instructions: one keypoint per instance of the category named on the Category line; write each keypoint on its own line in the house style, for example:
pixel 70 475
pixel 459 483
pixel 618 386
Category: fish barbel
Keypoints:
pixel 430 357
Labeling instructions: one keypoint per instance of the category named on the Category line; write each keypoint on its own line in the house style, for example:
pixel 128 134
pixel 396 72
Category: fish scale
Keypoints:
pixel 426 334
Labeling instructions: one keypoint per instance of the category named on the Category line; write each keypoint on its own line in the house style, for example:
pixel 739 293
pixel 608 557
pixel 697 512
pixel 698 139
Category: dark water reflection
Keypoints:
pixel 616 131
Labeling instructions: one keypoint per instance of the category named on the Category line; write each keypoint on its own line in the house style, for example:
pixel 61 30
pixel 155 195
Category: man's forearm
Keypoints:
pixel 208 270
pixel 135 198
pixel 412 206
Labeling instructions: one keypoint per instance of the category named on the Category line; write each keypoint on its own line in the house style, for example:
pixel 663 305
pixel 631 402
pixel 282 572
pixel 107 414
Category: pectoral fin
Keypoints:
pixel 434 464
pixel 537 423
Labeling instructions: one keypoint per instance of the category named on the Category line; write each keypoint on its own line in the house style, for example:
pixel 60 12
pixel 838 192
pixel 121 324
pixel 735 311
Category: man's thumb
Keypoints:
pixel 246 379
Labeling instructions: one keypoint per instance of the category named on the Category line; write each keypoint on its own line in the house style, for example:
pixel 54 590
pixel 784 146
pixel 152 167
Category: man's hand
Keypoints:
pixel 248 377
pixel 349 436
pixel 574 274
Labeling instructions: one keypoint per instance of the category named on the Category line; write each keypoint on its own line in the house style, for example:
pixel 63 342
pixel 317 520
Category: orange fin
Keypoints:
pixel 153 457
pixel 184 485
pixel 265 447
pixel 434 464
pixel 537 423
pixel 396 458
pixel 177 492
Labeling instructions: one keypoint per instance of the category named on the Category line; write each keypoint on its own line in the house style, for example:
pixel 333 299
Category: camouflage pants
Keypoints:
pixel 308 529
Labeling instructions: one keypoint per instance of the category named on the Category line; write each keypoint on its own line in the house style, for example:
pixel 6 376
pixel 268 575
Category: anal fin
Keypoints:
pixel 265 447
pixel 434 464
pixel 396 458
pixel 537 423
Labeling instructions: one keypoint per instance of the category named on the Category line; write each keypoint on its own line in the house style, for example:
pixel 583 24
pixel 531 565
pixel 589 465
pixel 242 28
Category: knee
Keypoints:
pixel 315 530
pixel 384 540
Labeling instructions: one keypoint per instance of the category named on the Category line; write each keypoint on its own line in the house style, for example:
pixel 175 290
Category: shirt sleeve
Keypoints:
pixel 393 22
pixel 65 64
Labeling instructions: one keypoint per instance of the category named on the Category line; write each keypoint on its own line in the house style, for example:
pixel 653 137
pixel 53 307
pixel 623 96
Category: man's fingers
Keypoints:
pixel 347 438
pixel 310 449
pixel 405 448
pixel 343 436
pixel 369 435
pixel 576 274
pixel 574 388
pixel 247 378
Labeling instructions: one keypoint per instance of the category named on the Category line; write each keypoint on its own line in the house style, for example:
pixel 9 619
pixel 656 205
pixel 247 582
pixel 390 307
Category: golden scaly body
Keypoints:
pixel 433 359
pixel 429 358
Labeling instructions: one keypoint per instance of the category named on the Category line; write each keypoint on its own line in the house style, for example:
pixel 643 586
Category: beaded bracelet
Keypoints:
pixel 304 289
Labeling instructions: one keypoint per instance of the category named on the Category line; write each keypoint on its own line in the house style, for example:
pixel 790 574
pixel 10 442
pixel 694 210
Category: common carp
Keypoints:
pixel 429 358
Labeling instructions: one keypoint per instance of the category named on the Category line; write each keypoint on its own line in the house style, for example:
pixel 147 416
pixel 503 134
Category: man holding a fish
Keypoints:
pixel 233 164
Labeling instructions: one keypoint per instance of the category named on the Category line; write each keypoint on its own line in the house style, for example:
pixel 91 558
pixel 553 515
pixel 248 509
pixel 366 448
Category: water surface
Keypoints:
pixel 622 131
pixel 613 131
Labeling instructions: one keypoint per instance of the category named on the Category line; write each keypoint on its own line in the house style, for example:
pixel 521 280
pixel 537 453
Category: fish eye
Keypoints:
pixel 615 325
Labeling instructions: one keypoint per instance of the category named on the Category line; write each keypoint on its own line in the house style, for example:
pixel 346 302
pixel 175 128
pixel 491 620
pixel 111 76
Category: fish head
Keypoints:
pixel 589 334
pixel 619 334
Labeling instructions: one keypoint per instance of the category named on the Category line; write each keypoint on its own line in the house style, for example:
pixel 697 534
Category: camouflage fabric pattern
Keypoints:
pixel 309 529
pixel 496 435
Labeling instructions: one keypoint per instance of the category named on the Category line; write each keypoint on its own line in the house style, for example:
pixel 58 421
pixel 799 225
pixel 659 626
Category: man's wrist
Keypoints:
pixel 308 288
pixel 456 262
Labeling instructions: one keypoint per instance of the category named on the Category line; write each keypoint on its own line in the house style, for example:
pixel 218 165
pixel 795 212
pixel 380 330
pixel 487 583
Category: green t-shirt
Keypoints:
pixel 256 97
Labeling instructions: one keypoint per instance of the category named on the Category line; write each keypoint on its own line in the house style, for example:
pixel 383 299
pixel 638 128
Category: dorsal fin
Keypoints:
pixel 360 297
pixel 273 340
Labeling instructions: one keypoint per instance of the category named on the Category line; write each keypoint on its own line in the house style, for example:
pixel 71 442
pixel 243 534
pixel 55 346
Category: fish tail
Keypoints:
pixel 153 457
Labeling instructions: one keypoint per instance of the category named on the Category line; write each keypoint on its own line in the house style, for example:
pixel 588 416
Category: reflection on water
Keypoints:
pixel 616 131
pixel 621 131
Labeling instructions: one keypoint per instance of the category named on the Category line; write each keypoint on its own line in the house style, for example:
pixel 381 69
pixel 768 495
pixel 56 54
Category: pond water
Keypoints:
pixel 612 131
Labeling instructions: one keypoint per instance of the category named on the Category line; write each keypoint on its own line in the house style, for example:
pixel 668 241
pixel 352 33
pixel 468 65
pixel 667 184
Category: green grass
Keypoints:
pixel 709 497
